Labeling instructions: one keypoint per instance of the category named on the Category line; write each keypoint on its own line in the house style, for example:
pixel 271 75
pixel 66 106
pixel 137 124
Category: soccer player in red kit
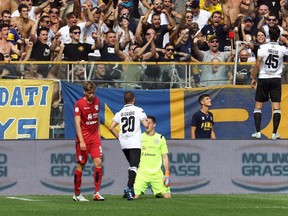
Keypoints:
pixel 88 141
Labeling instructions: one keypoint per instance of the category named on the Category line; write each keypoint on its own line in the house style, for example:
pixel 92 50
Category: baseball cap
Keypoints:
pixel 246 18
pixel 213 37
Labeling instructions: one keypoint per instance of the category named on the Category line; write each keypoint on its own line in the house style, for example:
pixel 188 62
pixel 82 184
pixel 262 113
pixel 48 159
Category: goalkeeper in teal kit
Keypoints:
pixel 154 151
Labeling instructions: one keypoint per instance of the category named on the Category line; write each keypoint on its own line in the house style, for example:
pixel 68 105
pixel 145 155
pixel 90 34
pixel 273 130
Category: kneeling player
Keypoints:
pixel 154 151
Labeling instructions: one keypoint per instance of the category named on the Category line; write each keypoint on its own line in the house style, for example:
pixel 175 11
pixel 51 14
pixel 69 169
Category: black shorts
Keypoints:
pixel 268 89
pixel 132 156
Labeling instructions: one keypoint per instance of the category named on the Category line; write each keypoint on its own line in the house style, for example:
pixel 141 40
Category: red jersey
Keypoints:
pixel 89 114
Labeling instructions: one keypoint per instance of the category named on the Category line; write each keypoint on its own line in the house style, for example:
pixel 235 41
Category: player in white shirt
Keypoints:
pixel 269 65
pixel 129 119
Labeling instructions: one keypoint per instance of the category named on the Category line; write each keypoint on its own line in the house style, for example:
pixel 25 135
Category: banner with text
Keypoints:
pixel 25 107
pixel 216 166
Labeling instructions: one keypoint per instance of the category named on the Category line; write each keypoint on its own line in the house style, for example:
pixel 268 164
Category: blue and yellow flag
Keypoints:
pixel 25 107
pixel 232 107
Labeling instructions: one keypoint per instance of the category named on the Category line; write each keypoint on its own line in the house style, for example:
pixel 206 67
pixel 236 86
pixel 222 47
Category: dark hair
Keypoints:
pixel 1 57
pixel 202 96
pixel 195 5
pixel 74 27
pixel 3 25
pixel 216 12
pixel 44 17
pixel 21 6
pixel 168 44
pixel 70 15
pixel 5 12
pixel 152 118
pixel 40 29
pixel 128 97
pixel 274 33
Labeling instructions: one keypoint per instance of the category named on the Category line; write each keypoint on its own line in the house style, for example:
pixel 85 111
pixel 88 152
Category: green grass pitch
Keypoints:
pixel 180 205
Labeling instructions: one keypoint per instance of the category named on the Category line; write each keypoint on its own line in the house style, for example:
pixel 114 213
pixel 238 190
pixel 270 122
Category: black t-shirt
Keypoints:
pixel 41 52
pixel 77 51
pixel 160 32
pixel 108 53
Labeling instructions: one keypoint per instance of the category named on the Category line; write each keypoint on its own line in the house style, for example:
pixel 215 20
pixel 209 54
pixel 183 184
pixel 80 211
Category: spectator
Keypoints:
pixel 41 50
pixel 207 56
pixel 259 39
pixel 32 10
pixel 44 22
pixel 77 51
pixel 127 36
pixel 184 43
pixel 56 21
pixel 23 23
pixel 14 35
pixel 218 74
pixel 172 75
pixel 90 32
pixel 216 29
pixel 159 28
pixel 106 48
pixel 100 76
pixel 72 20
pixel 244 71
pixel 7 70
pixel 157 8
pixel 5 45
pixel 246 27
pixel 262 10
pixel 199 16
pixel 270 20
pixel 274 7
pixel 79 73
pixel 233 8
pixel 212 5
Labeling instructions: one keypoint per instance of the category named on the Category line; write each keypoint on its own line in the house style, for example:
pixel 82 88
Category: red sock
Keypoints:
pixel 77 181
pixel 97 178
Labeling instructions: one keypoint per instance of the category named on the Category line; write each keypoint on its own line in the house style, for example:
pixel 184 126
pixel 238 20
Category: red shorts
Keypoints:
pixel 94 149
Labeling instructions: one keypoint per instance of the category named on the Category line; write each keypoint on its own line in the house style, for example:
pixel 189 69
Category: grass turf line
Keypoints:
pixel 182 205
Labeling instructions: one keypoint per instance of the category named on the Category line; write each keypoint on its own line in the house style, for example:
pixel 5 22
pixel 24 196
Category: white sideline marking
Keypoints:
pixel 19 198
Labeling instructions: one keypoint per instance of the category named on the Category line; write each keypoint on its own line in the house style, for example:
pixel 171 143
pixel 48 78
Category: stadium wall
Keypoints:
pixel 197 167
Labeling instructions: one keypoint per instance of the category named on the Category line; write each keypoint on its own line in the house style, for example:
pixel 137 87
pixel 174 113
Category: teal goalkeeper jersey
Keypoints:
pixel 153 147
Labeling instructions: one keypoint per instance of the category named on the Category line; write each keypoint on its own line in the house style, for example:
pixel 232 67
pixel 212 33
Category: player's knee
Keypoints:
pixel 98 162
pixel 166 195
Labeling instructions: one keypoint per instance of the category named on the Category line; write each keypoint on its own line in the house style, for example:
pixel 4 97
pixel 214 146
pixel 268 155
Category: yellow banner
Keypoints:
pixel 25 107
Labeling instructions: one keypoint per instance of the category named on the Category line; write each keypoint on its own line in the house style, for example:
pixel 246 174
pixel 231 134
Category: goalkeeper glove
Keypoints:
pixel 166 179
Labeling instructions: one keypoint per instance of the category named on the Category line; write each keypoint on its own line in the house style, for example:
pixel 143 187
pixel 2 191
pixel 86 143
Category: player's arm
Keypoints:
pixel 213 134
pixel 255 72
pixel 112 128
pixel 166 178
pixel 77 120
pixel 193 132
pixel 144 122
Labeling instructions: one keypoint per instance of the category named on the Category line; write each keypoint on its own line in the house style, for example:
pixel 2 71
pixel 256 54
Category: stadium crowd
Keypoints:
pixel 131 31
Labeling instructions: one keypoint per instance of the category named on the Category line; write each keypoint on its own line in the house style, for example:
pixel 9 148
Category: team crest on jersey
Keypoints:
pixel 81 48
pixel 203 118
pixel 80 157
pixel 76 109
pixel 96 107
pixel 156 141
